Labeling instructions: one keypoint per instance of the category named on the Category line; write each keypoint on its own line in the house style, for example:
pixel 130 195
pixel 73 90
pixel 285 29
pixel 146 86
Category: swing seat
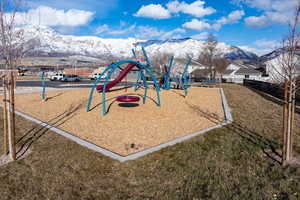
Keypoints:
pixel 127 99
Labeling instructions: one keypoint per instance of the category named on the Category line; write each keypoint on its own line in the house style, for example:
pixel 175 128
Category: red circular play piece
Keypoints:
pixel 128 99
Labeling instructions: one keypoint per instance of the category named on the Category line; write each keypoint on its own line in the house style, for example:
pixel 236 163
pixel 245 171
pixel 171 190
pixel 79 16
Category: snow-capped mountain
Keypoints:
pixel 276 53
pixel 51 43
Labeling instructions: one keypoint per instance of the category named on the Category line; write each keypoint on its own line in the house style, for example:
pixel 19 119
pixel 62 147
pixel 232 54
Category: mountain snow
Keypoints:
pixel 52 43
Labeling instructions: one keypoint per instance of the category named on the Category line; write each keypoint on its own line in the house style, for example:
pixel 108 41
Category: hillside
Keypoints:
pixel 51 43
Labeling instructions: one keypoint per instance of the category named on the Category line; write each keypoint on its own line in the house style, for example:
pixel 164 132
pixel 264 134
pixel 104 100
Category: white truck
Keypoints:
pixel 56 77
pixel 95 76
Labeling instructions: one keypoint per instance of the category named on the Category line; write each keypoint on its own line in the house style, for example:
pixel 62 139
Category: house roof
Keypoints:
pixel 200 72
pixel 247 71
pixel 228 71
pixel 245 65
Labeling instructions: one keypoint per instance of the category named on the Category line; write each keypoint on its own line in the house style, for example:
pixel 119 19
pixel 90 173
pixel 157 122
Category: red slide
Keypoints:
pixel 117 80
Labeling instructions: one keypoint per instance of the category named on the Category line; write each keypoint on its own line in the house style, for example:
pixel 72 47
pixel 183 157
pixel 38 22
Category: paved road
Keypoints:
pixel 58 84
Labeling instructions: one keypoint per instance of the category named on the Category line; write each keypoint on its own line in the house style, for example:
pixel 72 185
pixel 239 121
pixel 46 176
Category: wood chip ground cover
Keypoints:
pixel 125 130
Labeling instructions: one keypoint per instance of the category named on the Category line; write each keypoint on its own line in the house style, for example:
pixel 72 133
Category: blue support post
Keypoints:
pixel 145 87
pixel 147 58
pixel 114 67
pixel 157 88
pixel 134 54
pixel 43 96
pixel 167 76
pixel 94 86
pixel 136 87
pixel 185 77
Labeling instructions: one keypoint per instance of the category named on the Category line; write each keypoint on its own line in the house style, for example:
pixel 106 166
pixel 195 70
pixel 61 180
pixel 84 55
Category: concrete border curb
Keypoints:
pixel 228 120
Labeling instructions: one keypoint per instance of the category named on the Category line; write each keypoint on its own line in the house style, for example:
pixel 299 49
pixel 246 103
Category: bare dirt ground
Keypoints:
pixel 128 128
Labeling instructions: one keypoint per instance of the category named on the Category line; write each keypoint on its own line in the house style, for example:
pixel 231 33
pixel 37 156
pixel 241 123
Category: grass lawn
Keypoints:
pixel 234 162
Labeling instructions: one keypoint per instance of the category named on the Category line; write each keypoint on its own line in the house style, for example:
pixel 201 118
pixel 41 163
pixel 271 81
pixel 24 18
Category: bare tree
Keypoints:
pixel 208 55
pixel 159 61
pixel 221 65
pixel 285 69
pixel 12 49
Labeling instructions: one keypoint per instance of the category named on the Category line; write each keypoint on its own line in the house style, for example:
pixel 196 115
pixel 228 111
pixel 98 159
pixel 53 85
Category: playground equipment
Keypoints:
pixel 182 82
pixel 121 76
pixel 130 65
pixel 165 82
pixel 42 76
pixel 185 77
pixel 127 99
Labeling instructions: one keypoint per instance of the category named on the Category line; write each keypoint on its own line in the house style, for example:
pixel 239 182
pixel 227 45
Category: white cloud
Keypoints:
pixel 141 32
pixel 200 36
pixel 155 11
pixel 103 7
pixel 176 33
pixel 197 25
pixel 267 43
pixel 102 29
pixel 196 8
pixel 149 32
pixel 258 52
pixel 232 18
pixel 146 32
pixel 255 21
pixel 47 16
pixel 274 11
pixel 122 30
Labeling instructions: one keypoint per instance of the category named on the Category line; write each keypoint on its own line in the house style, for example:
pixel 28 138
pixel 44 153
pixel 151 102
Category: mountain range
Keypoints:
pixel 50 43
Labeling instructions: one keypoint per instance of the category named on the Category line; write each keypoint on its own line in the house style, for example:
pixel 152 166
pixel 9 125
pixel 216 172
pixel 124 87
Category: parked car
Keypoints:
pixel 56 77
pixel 94 76
pixel 70 78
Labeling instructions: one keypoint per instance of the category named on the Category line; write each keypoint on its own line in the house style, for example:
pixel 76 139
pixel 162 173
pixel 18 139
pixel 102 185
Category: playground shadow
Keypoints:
pixel 30 137
pixel 114 100
pixel 142 96
pixel 98 104
pixel 128 105
pixel 267 146
pixel 52 97
pixel 181 95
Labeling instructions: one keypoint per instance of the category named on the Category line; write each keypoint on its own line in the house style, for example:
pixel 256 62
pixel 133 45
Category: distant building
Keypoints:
pixel 236 73
pixel 275 70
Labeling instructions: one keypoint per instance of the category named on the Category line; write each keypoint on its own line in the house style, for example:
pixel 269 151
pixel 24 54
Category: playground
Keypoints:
pixel 127 127
pixel 124 121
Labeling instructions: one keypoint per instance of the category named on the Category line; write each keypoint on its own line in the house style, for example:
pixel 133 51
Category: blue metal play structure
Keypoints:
pixel 185 77
pixel 144 68
pixel 167 79
pixel 42 76
pixel 182 81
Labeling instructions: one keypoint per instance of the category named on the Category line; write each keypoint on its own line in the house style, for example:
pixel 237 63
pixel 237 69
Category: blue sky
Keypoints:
pixel 257 25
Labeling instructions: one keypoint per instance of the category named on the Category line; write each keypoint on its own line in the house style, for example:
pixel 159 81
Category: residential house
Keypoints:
pixel 276 71
pixel 236 73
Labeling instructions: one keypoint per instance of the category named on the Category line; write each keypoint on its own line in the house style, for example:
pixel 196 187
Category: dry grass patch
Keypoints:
pixel 226 163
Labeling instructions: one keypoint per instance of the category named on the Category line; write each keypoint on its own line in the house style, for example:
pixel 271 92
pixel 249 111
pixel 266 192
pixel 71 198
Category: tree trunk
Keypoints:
pixel 5 137
pixel 289 109
pixel 10 118
pixel 284 130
